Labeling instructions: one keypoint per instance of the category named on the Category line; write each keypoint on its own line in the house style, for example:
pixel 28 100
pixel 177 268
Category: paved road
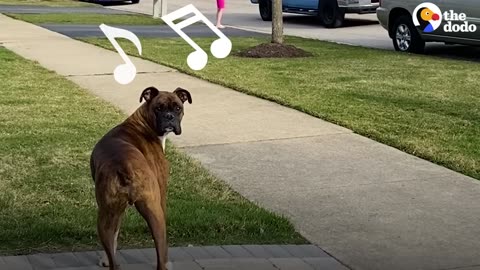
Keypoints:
pixel 27 9
pixel 360 30
pixel 78 31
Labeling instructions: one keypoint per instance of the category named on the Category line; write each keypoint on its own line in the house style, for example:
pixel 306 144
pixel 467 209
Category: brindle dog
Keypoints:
pixel 129 167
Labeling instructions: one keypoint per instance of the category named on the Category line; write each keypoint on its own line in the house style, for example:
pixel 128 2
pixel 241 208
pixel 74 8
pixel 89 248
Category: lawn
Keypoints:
pixel 50 3
pixel 85 18
pixel 423 105
pixel 48 126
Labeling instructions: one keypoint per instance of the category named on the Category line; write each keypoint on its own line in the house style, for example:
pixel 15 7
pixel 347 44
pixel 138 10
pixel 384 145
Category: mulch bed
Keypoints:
pixel 273 50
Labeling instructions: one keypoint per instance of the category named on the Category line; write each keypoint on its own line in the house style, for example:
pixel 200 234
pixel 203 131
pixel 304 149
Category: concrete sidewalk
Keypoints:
pixel 369 205
pixel 252 257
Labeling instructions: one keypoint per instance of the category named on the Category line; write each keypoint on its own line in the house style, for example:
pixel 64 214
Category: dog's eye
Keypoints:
pixel 177 108
pixel 158 109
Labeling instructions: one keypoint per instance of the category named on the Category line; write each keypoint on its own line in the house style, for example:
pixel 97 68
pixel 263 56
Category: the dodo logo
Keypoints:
pixel 428 17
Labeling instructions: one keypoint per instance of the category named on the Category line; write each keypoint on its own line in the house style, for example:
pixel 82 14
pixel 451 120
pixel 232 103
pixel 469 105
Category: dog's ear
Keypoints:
pixel 183 94
pixel 149 93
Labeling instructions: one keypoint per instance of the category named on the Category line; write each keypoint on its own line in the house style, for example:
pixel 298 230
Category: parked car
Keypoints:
pixel 411 23
pixel 330 12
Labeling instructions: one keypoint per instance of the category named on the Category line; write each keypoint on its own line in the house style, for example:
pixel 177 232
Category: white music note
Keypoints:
pixel 124 73
pixel 198 59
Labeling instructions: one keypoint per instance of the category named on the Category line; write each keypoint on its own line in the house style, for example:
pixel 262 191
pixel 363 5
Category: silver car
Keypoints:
pixel 411 23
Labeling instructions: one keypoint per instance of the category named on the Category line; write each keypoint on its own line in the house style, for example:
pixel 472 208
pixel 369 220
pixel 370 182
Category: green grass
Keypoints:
pixel 48 127
pixel 50 3
pixel 423 105
pixel 81 18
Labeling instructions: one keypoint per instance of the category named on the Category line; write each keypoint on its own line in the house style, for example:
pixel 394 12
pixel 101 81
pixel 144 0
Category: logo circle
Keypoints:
pixel 427 16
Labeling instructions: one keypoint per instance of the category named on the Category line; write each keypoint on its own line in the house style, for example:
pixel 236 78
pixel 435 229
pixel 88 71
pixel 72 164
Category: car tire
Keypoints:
pixel 405 36
pixel 265 8
pixel 329 14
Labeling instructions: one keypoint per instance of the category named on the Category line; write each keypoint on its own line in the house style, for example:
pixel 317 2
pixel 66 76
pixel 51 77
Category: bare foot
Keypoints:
pixel 219 26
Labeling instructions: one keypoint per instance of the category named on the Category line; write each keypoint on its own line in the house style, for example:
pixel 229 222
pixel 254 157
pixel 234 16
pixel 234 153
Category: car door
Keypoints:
pixel 471 8
pixel 302 4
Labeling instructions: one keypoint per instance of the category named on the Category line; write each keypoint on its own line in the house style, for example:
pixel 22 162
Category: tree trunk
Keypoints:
pixel 277 22
pixel 159 8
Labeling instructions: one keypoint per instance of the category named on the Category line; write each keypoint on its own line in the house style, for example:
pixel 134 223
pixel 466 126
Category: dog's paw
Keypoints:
pixel 103 262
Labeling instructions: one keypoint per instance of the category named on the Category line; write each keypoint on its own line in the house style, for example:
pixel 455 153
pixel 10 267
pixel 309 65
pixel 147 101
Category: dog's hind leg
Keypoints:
pixel 152 212
pixel 104 260
pixel 108 227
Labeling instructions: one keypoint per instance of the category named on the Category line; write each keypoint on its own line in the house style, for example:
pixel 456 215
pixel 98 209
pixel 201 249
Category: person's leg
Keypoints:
pixel 220 8
pixel 219 18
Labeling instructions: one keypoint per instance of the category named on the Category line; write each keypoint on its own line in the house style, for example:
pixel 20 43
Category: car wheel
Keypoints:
pixel 329 14
pixel 265 7
pixel 406 37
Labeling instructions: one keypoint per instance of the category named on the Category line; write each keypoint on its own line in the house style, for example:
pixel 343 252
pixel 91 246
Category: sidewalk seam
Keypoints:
pixel 331 256
pixel 461 267
pixel 382 183
pixel 110 74
pixel 262 140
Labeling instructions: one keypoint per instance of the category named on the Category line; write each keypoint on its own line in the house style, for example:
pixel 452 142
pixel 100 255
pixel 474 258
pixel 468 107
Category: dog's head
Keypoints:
pixel 165 109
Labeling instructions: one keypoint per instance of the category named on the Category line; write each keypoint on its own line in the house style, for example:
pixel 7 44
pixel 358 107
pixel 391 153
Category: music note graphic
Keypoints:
pixel 198 59
pixel 124 73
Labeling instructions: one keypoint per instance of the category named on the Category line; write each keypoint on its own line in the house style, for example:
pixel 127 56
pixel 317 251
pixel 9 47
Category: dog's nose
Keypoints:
pixel 169 116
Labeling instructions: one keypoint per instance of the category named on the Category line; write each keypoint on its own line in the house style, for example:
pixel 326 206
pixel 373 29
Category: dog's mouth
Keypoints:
pixel 174 129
